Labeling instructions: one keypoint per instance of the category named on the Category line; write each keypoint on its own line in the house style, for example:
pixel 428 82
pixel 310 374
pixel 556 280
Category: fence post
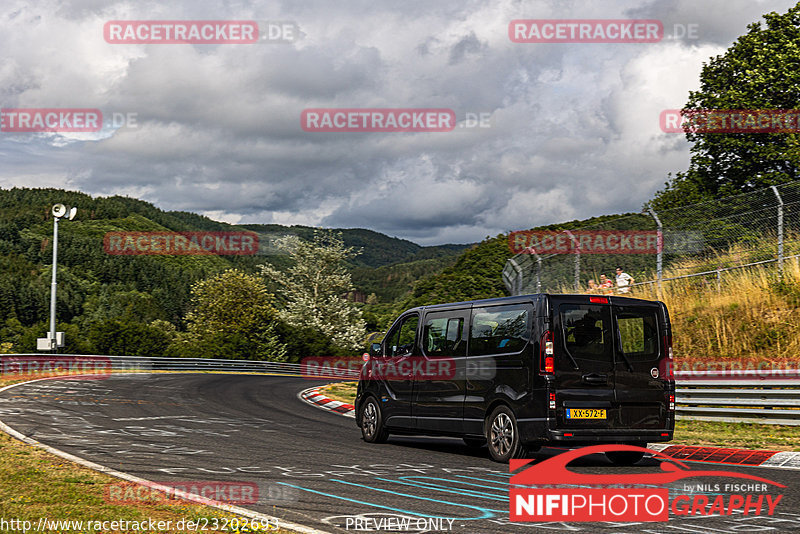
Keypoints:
pixel 780 231
pixel 514 284
pixel 660 251
pixel 538 274
pixel 577 260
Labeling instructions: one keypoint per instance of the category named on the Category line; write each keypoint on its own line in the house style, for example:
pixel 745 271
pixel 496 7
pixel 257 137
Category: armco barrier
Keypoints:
pixel 743 396
pixel 751 396
pixel 61 363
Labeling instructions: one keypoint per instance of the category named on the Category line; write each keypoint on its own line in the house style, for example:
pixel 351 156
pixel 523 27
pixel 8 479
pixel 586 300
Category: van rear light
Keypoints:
pixel 598 300
pixel 546 352
pixel 667 367
pixel 567 434
pixel 672 403
pixel 552 404
pixel 665 434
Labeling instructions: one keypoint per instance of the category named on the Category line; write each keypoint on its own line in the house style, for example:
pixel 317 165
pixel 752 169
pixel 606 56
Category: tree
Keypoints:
pixel 232 316
pixel 314 285
pixel 124 337
pixel 759 71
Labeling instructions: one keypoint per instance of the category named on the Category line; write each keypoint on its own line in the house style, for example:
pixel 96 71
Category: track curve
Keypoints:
pixel 311 466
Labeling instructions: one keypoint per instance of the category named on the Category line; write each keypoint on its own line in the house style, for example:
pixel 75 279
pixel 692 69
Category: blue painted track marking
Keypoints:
pixel 484 512
pixel 488 512
pixel 436 487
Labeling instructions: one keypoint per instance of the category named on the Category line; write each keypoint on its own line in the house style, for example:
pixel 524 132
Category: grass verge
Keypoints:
pixel 340 391
pixel 737 435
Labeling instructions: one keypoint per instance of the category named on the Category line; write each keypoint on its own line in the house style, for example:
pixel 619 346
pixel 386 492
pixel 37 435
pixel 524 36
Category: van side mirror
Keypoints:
pixel 375 349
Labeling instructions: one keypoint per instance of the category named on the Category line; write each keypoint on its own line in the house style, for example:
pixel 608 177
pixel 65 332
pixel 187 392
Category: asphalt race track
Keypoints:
pixel 310 465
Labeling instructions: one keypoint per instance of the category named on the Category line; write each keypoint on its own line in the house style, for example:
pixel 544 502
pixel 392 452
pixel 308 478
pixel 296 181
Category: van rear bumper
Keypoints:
pixel 539 431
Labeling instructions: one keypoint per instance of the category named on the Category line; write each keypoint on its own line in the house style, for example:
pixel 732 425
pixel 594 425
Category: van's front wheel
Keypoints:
pixel 502 435
pixel 372 429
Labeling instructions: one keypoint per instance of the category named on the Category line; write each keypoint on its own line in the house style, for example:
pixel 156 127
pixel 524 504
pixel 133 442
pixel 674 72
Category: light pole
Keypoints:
pixel 55 340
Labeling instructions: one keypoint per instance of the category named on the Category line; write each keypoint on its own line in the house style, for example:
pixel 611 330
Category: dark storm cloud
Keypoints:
pixel 572 128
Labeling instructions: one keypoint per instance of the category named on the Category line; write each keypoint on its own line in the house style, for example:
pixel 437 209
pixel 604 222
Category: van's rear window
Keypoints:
pixel 498 330
pixel 586 331
pixel 638 331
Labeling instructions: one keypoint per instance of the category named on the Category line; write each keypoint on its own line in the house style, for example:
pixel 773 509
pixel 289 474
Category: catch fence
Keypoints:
pixel 707 239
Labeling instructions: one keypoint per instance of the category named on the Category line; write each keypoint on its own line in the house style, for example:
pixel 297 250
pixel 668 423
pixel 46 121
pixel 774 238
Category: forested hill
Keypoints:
pixel 95 287
pixel 376 249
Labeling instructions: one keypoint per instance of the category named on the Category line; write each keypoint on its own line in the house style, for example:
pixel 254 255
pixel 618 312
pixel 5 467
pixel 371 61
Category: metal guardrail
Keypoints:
pixel 752 396
pixel 769 396
pixel 26 365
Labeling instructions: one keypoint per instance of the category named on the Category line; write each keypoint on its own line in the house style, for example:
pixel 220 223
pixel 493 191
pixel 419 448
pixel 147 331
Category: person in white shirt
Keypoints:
pixel 624 281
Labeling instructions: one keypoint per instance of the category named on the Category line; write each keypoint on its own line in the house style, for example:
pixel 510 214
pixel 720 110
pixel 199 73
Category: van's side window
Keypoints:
pixel 401 341
pixel 498 330
pixel 586 331
pixel 638 331
pixel 443 336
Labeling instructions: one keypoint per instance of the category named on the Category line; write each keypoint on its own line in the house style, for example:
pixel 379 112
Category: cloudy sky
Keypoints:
pixel 570 130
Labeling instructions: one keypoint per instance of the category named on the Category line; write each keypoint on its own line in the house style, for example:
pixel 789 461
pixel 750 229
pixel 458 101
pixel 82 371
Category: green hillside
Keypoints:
pixel 376 249
pixel 97 291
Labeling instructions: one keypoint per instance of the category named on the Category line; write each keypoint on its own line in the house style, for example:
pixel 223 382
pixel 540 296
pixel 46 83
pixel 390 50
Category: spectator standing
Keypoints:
pixel 606 285
pixel 624 281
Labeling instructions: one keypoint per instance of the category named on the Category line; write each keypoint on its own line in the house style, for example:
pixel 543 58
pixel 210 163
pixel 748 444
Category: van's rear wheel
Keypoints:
pixel 372 429
pixel 502 435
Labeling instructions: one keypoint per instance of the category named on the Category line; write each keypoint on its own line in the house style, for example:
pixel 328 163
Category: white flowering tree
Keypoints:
pixel 315 285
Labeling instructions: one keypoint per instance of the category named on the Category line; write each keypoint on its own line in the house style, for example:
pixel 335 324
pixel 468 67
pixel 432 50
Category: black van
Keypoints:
pixel 520 372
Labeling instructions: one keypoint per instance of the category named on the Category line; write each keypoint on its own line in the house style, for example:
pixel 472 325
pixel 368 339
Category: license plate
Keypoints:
pixel 586 413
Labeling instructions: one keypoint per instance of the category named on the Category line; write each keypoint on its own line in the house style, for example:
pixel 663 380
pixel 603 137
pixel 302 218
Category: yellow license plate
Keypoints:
pixel 585 413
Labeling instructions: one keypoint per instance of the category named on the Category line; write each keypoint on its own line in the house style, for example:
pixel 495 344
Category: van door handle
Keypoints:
pixel 595 379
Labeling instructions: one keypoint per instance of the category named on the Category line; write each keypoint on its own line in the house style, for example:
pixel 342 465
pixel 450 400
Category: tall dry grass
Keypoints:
pixel 748 314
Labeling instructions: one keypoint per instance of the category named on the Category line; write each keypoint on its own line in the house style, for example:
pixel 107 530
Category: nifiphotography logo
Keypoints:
pixel 629 497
